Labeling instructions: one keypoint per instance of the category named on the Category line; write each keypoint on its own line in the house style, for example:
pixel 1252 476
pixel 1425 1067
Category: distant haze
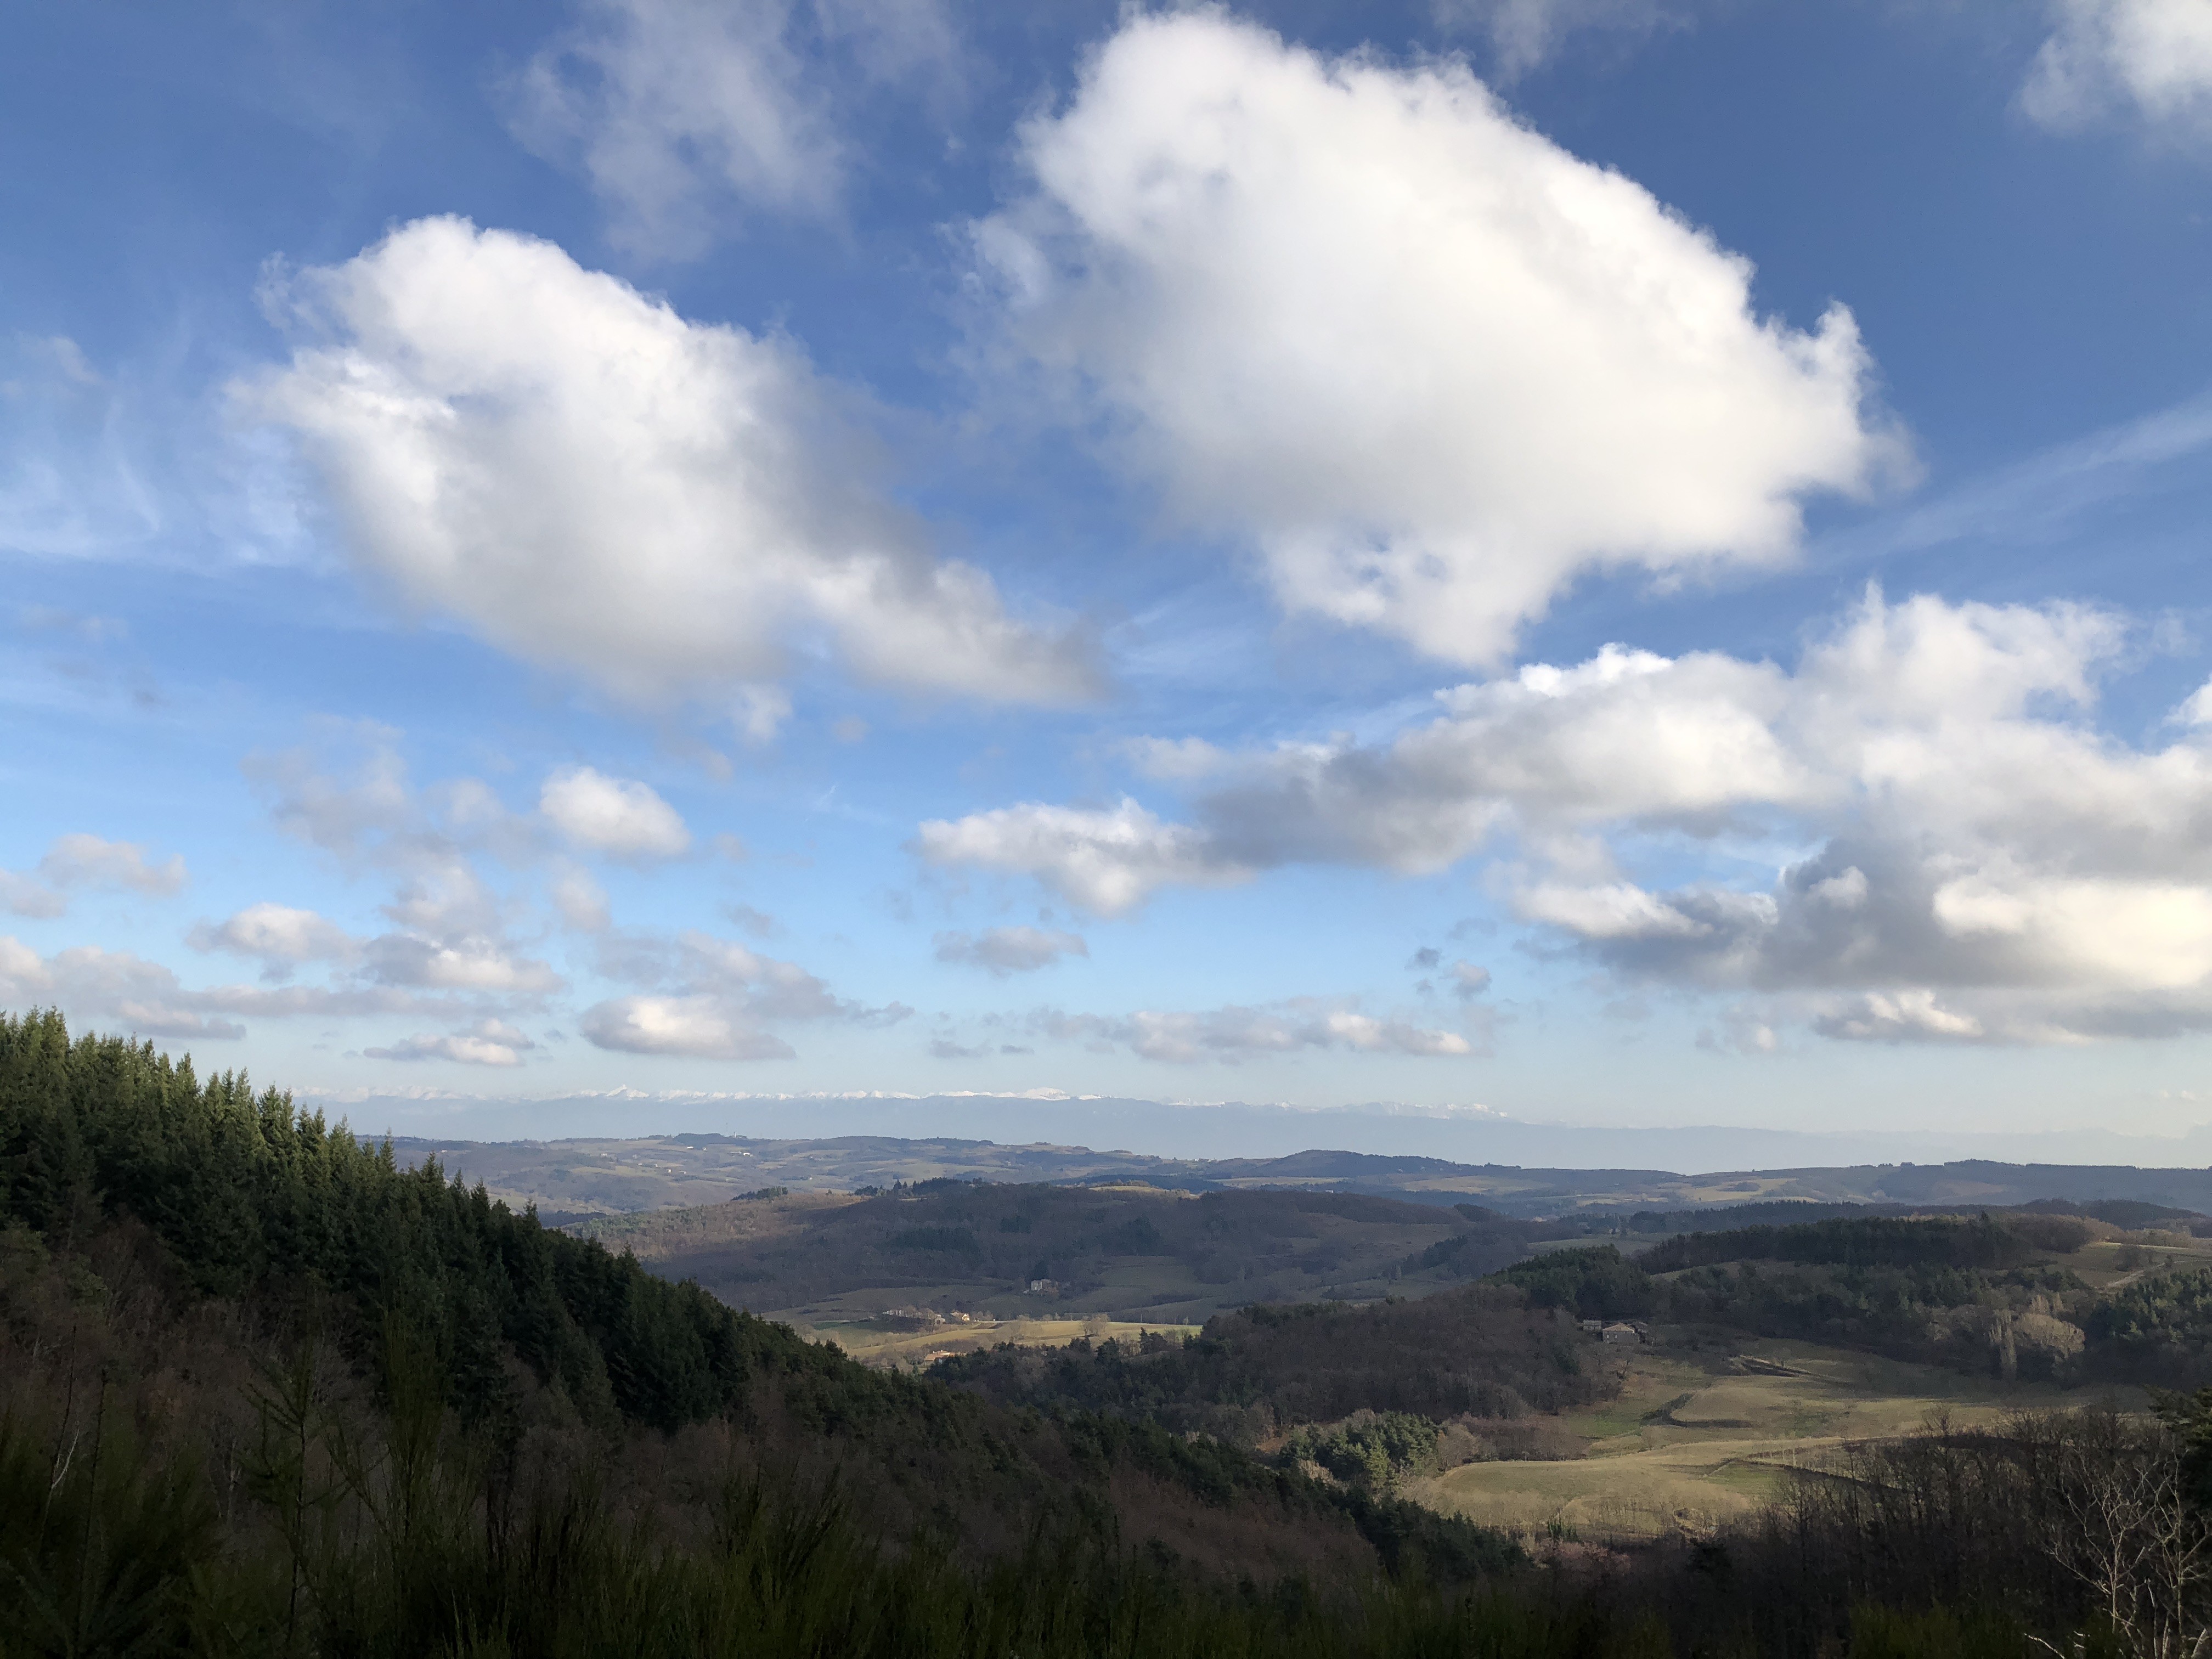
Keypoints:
pixel 1241 1130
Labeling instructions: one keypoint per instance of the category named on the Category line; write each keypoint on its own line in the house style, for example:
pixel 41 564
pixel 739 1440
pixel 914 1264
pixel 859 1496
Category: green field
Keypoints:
pixel 1699 1436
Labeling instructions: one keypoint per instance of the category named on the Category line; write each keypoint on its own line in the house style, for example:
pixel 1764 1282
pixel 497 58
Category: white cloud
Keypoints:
pixel 1985 863
pixel 678 110
pixel 701 1027
pixel 2152 56
pixel 459 964
pixel 84 861
pixel 1174 759
pixel 670 104
pixel 24 895
pixel 1523 33
pixel 489 1042
pixel 1105 860
pixel 87 982
pixel 1231 1035
pixel 279 935
pixel 1004 951
pixel 593 483
pixel 710 999
pixel 1433 366
pixel 1469 980
pixel 343 818
pixel 1621 910
pixel 618 817
pixel 1900 1017
pixel 81 860
pixel 120 988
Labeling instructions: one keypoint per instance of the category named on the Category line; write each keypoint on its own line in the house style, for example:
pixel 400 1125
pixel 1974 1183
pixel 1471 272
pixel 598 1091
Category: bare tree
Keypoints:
pixel 2118 1519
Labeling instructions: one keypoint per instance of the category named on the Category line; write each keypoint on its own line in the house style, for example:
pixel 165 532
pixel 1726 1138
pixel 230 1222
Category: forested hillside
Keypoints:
pixel 2008 1294
pixel 262 1382
pixel 1134 1252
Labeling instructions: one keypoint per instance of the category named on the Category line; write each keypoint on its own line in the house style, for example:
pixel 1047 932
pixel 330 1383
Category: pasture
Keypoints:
pixel 1702 1436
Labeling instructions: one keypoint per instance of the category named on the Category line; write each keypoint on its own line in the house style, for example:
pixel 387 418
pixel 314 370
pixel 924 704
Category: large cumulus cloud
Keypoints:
pixel 1430 365
pixel 593 483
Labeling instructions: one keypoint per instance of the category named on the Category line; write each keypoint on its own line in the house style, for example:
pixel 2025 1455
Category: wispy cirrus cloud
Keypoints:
pixel 2149 59
pixel 687 117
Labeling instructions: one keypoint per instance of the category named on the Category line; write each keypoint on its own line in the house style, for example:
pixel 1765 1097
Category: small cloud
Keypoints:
pixel 21 896
pixel 943 1049
pixel 83 860
pixel 2151 59
pixel 1467 980
pixel 760 712
pixel 1174 760
pixel 489 1042
pixel 1425 960
pixel 1004 951
pixel 621 818
pixel 758 923
pixel 700 1027
pixel 280 936
pixel 851 729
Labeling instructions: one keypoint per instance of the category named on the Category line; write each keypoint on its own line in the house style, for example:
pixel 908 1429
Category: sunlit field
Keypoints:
pixel 1703 1435
pixel 871 1344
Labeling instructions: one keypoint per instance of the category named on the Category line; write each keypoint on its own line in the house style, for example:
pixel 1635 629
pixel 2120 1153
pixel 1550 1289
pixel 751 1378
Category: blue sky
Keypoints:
pixel 1601 561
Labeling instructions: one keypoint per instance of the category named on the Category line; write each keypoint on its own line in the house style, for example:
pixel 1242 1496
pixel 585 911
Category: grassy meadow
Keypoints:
pixel 1700 1436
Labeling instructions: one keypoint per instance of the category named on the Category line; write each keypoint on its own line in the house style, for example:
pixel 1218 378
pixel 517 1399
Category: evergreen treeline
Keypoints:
pixel 2159 1327
pixel 246 1192
pixel 1878 1242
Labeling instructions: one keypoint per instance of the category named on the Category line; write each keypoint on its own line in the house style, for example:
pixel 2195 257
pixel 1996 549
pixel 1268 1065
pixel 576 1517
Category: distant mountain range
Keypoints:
pixel 1237 1130
pixel 585 1177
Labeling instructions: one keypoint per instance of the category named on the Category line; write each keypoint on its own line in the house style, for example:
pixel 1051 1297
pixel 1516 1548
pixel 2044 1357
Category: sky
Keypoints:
pixel 1577 561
